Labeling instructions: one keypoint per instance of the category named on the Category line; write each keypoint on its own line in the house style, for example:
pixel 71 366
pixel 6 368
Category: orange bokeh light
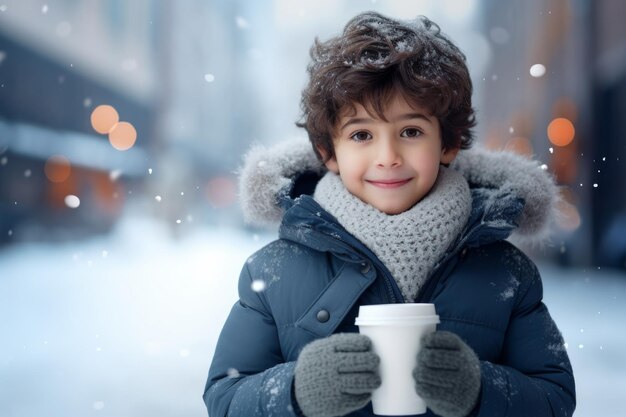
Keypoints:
pixel 104 118
pixel 561 131
pixel 57 168
pixel 123 136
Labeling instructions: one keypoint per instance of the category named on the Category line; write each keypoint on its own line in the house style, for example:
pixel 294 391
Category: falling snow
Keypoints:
pixel 258 285
pixel 72 201
pixel 241 22
pixel 537 70
pixel 141 290
pixel 115 174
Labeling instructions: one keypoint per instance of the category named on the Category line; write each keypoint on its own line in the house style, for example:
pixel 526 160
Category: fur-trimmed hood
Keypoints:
pixel 269 174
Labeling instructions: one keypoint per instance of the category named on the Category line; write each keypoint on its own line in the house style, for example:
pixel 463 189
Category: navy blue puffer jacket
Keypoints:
pixel 316 276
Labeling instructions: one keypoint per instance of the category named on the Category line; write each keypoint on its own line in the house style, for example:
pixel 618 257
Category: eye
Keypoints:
pixel 411 132
pixel 361 136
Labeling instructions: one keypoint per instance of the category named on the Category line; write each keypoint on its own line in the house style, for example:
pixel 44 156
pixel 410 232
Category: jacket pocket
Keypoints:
pixel 335 301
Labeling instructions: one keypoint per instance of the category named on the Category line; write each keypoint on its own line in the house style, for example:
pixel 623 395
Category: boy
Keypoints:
pixel 372 214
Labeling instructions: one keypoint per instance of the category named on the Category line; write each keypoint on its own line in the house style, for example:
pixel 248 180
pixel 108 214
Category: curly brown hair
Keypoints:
pixel 376 57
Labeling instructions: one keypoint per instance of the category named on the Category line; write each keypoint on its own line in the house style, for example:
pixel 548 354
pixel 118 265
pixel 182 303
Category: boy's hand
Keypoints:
pixel 336 375
pixel 447 375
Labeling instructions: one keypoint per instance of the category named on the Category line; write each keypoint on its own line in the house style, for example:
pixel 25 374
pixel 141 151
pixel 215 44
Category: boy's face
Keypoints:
pixel 389 165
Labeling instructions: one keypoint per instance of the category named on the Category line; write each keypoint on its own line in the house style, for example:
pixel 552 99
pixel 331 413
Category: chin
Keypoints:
pixel 391 210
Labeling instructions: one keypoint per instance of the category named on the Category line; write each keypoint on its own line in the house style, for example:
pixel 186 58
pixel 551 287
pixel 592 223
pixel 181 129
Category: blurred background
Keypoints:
pixel 123 125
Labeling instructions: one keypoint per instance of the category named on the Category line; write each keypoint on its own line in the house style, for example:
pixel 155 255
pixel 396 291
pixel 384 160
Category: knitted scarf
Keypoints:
pixel 410 243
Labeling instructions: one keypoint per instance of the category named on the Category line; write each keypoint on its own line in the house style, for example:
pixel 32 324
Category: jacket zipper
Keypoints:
pixel 391 296
pixel 427 290
pixel 425 294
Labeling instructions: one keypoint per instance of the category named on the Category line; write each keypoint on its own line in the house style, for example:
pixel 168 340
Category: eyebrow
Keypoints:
pixel 407 116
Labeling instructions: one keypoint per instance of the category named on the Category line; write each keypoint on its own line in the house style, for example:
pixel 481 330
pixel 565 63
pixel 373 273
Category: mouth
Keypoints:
pixel 395 183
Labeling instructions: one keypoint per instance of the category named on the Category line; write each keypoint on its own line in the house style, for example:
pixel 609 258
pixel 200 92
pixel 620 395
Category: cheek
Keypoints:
pixel 348 162
pixel 427 161
pixel 427 167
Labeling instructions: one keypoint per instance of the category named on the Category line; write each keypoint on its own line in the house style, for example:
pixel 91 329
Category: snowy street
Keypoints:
pixel 125 325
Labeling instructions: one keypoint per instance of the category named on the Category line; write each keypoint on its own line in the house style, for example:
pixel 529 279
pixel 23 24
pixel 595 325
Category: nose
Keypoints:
pixel 387 154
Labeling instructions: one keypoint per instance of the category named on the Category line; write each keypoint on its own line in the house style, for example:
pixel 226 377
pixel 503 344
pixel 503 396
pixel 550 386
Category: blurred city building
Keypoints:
pixel 59 61
pixel 172 71
pixel 556 90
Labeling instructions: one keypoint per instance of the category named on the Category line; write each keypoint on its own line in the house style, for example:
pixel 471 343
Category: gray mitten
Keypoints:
pixel 447 375
pixel 336 375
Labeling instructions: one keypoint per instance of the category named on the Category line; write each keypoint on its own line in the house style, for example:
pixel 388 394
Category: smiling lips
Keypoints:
pixel 389 183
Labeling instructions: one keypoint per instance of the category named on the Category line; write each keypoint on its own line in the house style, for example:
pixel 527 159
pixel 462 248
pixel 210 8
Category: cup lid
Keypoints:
pixel 401 313
pixel 397 310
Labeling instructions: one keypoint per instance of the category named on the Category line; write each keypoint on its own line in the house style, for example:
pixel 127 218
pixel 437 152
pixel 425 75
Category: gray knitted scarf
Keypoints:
pixel 409 243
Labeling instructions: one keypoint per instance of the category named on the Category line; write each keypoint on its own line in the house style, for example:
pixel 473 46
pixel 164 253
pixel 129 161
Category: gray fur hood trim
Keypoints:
pixel 522 177
pixel 269 173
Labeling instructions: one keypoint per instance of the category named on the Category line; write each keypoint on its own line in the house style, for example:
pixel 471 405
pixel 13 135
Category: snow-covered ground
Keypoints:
pixel 125 325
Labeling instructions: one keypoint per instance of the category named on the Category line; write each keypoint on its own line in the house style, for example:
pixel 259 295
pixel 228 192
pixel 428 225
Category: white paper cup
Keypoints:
pixel 395 331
